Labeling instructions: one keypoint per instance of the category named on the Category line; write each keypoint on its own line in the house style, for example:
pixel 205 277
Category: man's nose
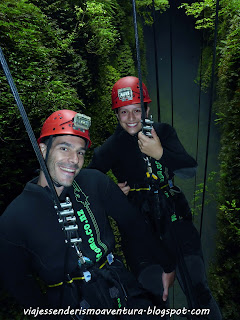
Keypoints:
pixel 73 157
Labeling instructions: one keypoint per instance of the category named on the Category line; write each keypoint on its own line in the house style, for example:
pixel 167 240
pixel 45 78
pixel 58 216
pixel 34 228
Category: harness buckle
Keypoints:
pixel 110 258
pixel 87 276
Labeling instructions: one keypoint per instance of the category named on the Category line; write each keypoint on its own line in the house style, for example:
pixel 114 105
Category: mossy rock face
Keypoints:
pixel 224 275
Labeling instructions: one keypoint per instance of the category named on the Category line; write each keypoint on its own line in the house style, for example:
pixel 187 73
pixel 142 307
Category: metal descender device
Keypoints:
pixel 67 220
pixel 147 126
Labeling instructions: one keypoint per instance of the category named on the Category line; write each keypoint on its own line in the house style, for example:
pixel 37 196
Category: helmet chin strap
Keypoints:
pixel 58 185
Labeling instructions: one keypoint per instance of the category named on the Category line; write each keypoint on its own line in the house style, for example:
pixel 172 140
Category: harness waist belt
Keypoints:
pixel 145 188
pixel 82 277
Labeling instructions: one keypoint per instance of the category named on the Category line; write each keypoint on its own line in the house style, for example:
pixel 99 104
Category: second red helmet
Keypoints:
pixel 127 91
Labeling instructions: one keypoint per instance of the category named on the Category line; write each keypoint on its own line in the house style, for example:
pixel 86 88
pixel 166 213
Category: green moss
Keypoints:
pixel 224 275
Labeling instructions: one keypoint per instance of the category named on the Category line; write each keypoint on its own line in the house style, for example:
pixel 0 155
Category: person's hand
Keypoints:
pixel 152 147
pixel 124 187
pixel 167 280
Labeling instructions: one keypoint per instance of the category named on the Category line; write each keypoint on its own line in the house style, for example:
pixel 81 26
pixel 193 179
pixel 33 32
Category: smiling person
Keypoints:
pixel 151 189
pixel 47 265
pixel 63 171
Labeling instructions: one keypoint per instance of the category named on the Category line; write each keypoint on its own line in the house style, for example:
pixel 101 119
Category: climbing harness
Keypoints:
pixel 109 260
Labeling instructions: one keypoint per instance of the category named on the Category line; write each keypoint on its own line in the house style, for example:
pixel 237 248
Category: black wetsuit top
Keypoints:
pixel 122 155
pixel 32 242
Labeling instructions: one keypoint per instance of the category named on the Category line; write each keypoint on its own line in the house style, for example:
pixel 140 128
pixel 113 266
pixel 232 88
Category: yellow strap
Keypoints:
pixel 55 285
pixel 102 265
pixel 166 185
pixel 147 189
pixel 153 175
pixel 73 279
pixel 140 189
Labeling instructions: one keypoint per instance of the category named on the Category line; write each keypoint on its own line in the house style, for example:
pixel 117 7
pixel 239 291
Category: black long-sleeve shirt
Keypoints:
pixel 122 155
pixel 32 242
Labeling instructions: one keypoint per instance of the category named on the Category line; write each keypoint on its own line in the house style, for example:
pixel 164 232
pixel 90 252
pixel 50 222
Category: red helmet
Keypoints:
pixel 66 122
pixel 127 91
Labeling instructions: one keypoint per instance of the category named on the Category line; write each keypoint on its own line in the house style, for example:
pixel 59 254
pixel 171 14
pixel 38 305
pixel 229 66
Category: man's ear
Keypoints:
pixel 43 149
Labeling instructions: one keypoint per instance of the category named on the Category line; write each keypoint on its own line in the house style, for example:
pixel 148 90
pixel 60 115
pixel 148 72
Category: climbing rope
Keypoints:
pixel 138 60
pixel 28 128
pixel 198 119
pixel 171 57
pixel 156 60
pixel 210 112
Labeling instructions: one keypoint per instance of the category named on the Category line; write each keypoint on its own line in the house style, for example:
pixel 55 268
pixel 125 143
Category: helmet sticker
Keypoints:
pixel 125 94
pixel 81 122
